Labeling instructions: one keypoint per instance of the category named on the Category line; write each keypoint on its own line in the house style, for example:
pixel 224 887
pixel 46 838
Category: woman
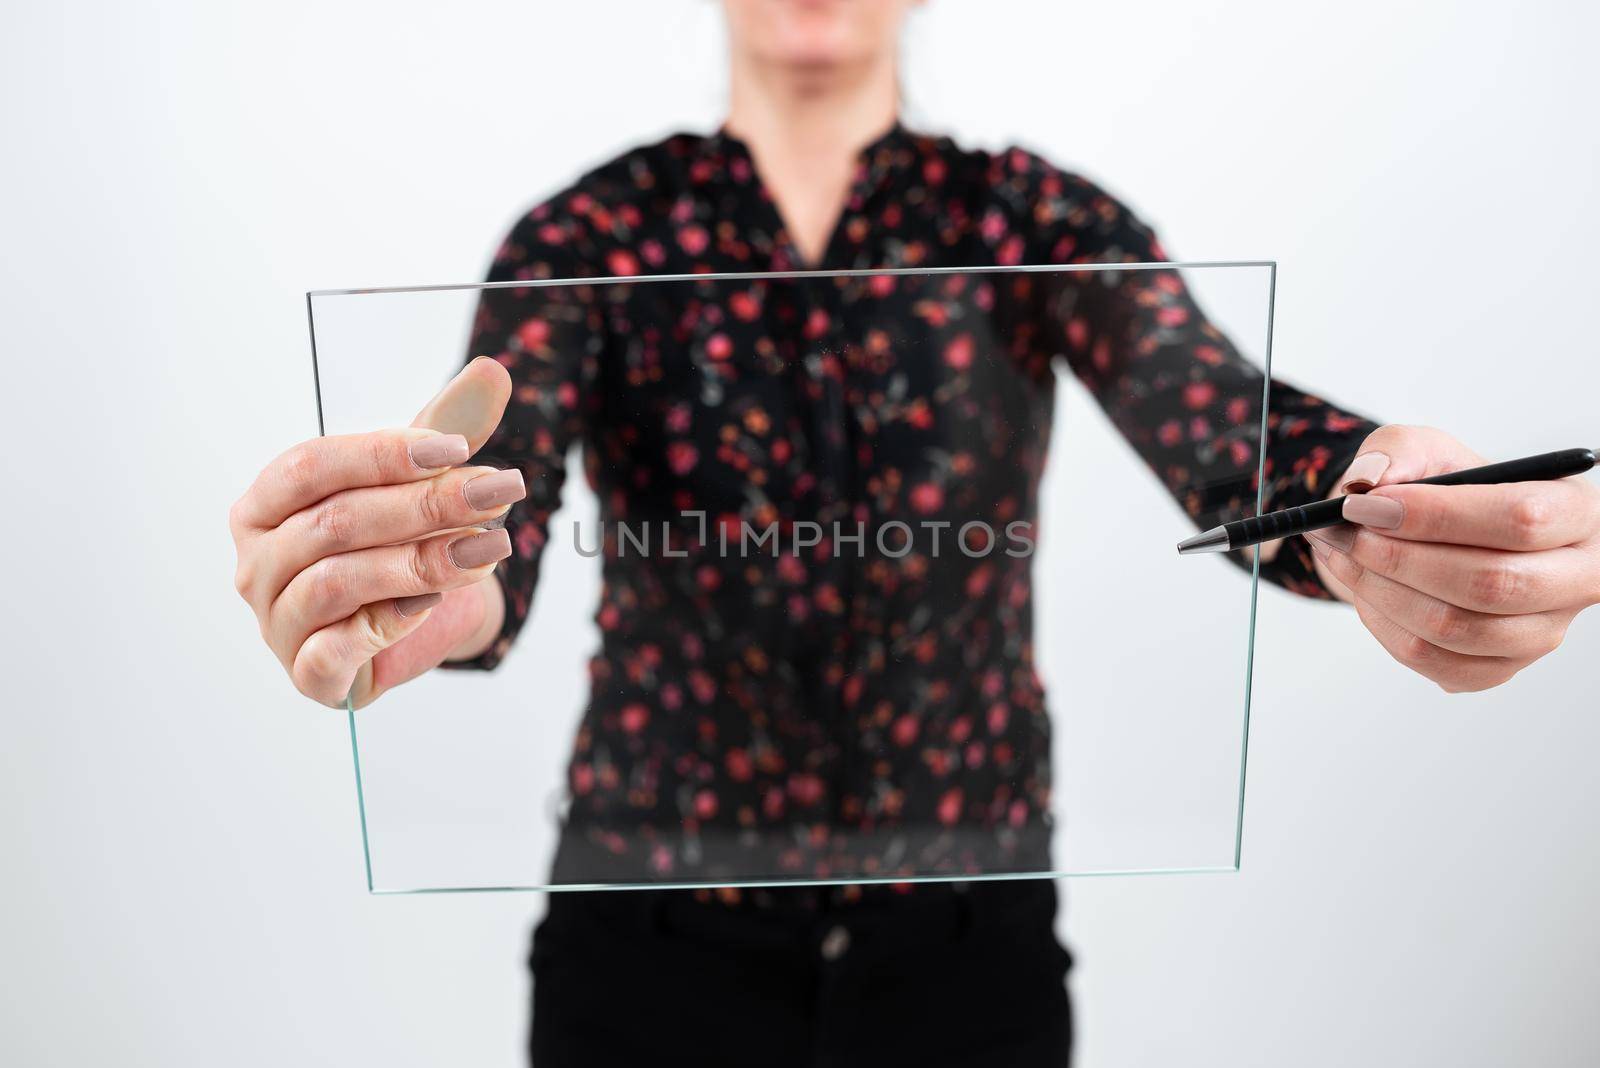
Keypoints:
pixel 373 558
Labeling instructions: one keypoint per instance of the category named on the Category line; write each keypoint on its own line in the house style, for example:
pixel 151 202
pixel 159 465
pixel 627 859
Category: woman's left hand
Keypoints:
pixel 1466 585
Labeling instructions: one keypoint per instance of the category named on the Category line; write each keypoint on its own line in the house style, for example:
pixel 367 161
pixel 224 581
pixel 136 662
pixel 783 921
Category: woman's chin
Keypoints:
pixel 815 34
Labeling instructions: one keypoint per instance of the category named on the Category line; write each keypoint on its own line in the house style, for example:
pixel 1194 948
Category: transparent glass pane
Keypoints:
pixel 861 576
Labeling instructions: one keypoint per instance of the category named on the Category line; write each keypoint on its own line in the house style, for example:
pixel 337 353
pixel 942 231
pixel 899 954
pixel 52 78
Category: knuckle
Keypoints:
pixel 437 504
pixel 302 465
pixel 381 456
pixel 329 582
pixel 1413 650
pixel 333 524
pixel 244 577
pixel 1549 640
pixel 1388 434
pixel 1494 586
pixel 1530 517
pixel 369 635
pixel 1449 625
pixel 384 458
pixel 1344 567
pixel 317 666
pixel 236 517
pixel 423 565
pixel 1361 582
pixel 366 634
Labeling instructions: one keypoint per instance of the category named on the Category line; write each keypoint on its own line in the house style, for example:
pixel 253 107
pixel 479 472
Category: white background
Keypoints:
pixel 181 880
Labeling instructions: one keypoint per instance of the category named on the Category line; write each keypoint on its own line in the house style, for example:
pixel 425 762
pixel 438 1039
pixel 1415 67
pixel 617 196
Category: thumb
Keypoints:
pixel 471 404
pixel 1399 453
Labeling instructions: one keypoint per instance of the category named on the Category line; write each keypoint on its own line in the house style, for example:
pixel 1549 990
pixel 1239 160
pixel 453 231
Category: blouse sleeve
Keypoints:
pixel 1177 388
pixel 549 339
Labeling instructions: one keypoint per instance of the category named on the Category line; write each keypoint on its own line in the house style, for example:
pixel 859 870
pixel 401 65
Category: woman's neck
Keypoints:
pixel 804 131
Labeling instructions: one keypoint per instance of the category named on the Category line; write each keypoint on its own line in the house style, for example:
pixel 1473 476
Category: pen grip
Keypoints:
pixel 1289 521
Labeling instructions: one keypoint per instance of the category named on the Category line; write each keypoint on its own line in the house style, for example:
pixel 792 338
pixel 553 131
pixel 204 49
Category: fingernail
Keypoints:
pixel 1384 513
pixel 440 450
pixel 477 550
pixel 491 491
pixel 1364 472
pixel 1339 538
pixel 410 606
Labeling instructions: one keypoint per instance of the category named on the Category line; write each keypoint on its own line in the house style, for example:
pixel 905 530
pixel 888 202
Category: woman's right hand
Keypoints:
pixel 349 544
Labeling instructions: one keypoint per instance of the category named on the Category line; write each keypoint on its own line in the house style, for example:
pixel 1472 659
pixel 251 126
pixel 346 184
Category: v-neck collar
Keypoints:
pixel 879 164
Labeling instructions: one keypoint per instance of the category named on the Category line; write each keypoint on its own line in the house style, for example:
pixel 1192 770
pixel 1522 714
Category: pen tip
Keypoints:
pixel 1214 540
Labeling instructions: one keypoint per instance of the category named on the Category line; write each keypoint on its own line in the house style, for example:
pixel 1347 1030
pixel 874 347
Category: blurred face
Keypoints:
pixel 815 34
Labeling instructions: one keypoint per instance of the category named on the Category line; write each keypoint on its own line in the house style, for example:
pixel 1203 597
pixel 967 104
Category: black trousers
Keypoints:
pixel 943 975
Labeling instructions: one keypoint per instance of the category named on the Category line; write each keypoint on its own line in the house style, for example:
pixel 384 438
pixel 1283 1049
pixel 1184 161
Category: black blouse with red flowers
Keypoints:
pixel 825 712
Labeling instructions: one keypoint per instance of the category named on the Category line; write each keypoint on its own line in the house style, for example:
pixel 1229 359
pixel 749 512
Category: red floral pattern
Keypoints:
pixel 839 713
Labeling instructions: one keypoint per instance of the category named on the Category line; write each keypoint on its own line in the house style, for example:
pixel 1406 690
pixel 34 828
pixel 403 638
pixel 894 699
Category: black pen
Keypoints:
pixel 1242 533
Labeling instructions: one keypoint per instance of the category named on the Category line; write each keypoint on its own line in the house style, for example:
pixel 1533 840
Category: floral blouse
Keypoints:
pixel 841 708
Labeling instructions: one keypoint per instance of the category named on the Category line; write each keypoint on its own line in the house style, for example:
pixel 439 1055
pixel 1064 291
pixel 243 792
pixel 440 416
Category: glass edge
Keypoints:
pixel 349 705
pixel 755 884
pixel 724 276
pixel 361 795
pixel 1255 572
pixel 355 749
